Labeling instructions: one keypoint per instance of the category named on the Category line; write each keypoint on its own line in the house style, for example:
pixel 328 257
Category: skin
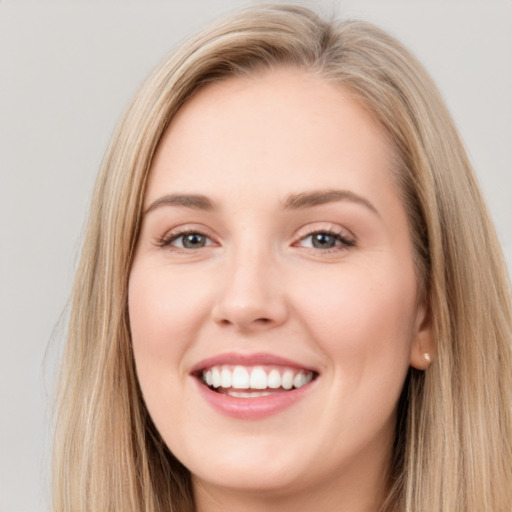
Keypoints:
pixel 260 285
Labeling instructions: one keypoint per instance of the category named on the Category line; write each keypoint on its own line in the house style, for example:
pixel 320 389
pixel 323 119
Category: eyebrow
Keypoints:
pixel 319 197
pixel 297 201
pixel 193 201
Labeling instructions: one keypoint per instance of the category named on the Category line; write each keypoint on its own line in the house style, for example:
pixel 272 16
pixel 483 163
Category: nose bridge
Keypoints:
pixel 251 296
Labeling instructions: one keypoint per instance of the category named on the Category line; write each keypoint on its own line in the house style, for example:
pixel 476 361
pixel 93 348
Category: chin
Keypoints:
pixel 254 466
pixel 247 478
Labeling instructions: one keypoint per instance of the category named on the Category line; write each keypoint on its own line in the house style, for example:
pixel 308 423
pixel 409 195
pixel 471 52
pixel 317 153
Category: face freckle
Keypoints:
pixel 274 240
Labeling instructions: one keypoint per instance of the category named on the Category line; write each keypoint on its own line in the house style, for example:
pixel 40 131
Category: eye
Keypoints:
pixel 325 240
pixel 186 240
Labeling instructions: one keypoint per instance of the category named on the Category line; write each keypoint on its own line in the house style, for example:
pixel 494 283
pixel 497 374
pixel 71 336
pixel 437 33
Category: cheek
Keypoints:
pixel 163 307
pixel 166 313
pixel 363 318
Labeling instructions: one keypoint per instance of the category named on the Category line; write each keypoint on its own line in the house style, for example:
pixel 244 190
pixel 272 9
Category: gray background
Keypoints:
pixel 67 69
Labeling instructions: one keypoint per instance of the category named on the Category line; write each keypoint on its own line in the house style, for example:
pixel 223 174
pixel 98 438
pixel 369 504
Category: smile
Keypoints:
pixel 252 386
pixel 257 381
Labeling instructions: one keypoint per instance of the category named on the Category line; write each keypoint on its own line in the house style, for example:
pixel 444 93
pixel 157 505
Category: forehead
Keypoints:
pixel 281 129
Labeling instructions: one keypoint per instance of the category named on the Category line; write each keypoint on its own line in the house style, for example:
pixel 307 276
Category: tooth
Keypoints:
pixel 240 378
pixel 207 376
pixel 215 377
pixel 287 379
pixel 225 378
pixel 299 380
pixel 309 377
pixel 258 379
pixel 245 394
pixel 274 379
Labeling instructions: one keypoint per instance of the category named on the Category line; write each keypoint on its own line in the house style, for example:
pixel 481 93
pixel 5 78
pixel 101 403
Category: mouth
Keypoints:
pixel 254 381
pixel 252 386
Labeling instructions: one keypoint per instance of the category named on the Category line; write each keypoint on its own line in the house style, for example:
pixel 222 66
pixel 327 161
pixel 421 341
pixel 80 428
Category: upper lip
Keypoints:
pixel 259 358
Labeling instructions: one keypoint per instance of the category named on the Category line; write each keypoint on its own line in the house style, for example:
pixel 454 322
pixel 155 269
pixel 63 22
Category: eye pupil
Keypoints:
pixel 323 240
pixel 193 240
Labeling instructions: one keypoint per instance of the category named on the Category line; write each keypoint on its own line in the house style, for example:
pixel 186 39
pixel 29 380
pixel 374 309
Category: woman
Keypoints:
pixel 290 296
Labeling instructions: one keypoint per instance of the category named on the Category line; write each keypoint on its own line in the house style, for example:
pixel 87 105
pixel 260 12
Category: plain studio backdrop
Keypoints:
pixel 68 69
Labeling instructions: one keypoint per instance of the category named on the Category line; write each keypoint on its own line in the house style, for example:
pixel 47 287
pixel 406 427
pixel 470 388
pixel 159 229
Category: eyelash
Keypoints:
pixel 167 240
pixel 345 241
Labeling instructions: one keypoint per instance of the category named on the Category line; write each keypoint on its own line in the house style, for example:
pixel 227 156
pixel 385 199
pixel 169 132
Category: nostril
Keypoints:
pixel 263 321
pixel 246 324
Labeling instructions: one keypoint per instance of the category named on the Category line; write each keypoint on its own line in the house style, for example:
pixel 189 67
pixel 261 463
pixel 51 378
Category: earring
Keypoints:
pixel 427 357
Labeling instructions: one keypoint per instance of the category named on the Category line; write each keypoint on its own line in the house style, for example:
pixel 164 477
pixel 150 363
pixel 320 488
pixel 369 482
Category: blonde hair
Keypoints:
pixel 453 447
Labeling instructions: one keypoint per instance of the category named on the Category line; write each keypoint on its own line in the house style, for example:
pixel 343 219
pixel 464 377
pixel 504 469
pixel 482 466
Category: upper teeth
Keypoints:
pixel 241 377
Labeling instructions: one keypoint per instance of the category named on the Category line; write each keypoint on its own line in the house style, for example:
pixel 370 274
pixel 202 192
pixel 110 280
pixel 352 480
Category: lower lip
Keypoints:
pixel 252 408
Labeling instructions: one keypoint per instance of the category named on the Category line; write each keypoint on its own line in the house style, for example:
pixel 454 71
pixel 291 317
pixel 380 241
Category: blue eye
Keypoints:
pixel 323 240
pixel 187 240
pixel 326 240
pixel 192 240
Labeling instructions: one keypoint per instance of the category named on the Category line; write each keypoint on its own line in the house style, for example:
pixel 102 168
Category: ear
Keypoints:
pixel 422 349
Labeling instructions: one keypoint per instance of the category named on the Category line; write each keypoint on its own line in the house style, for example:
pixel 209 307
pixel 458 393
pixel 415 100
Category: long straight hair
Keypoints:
pixel 453 446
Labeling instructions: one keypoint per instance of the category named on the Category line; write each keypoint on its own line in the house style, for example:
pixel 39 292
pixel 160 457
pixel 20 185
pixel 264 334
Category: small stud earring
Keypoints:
pixel 427 357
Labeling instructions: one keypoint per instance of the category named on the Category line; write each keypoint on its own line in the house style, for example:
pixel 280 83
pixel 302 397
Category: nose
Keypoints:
pixel 252 296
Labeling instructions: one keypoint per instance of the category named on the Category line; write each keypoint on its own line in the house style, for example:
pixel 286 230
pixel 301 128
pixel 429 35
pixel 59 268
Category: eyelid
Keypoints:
pixel 346 237
pixel 179 231
pixel 327 227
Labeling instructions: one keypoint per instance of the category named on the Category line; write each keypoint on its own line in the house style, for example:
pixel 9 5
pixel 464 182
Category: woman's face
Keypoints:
pixel 275 263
